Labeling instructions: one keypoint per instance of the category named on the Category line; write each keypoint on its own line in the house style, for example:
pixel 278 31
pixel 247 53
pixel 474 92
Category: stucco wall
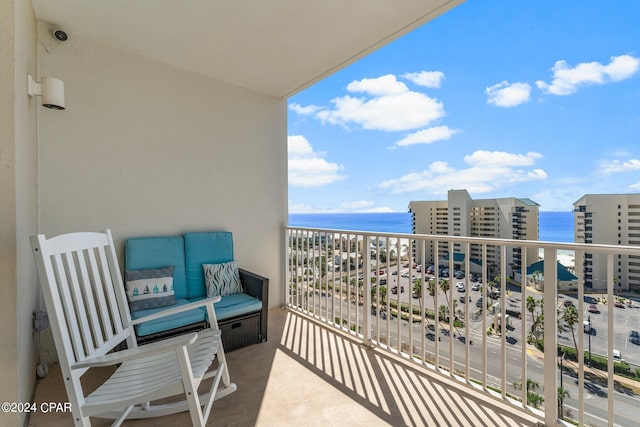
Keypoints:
pixel 17 206
pixel 147 149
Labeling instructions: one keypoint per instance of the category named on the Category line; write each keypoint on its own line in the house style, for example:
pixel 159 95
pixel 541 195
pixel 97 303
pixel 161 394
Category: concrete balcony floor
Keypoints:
pixel 311 375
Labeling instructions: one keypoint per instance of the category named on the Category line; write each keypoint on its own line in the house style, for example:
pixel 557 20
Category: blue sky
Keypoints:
pixel 504 98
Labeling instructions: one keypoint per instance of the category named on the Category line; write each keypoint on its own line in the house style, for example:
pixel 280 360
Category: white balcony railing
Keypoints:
pixel 376 287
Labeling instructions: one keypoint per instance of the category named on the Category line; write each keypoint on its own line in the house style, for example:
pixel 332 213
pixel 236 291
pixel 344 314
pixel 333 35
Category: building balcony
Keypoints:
pixel 309 373
pixel 344 351
pixel 442 328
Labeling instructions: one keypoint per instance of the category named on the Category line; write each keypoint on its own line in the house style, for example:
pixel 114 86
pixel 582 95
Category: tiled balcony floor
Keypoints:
pixel 310 375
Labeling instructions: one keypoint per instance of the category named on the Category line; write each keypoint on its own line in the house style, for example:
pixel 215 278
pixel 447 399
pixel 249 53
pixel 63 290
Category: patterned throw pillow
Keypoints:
pixel 150 288
pixel 222 279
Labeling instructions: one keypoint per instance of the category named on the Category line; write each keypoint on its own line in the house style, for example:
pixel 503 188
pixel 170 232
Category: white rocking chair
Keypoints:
pixel 89 315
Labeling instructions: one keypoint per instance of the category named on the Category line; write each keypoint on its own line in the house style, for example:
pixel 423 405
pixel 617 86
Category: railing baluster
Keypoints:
pixel 580 344
pixel 436 308
pixel 485 296
pixel 503 319
pixel 610 336
pixel 467 338
pixel 550 339
pixel 523 332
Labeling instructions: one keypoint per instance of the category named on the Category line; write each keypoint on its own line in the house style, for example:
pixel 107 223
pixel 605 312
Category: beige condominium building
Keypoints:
pixel 460 215
pixel 612 219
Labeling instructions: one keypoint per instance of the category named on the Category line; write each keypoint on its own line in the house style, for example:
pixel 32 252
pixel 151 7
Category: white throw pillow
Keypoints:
pixel 222 279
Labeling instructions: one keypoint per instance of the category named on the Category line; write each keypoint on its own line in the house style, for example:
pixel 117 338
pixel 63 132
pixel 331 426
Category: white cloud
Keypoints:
pixel 499 158
pixel 504 94
pixel 634 187
pixel 386 104
pixel 306 110
pixel 616 166
pixel 566 79
pixel 379 86
pixel 432 79
pixel 428 136
pixel 488 171
pixel 307 168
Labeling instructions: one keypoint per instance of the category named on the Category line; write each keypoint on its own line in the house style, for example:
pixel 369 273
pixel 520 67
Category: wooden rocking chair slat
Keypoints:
pixel 77 298
pixel 69 307
pixel 110 290
pixel 100 295
pixel 96 327
pixel 87 304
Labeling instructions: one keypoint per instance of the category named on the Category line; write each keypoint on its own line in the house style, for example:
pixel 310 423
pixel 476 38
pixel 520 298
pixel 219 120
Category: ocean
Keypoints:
pixel 553 226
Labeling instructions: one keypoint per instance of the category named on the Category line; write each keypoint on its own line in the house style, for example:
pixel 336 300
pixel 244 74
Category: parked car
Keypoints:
pixel 458 274
pixel 383 282
pixel 494 295
pixel 460 287
pixel 618 304
pixel 430 269
pixel 593 309
pixel 568 302
pixel 479 302
pixel 475 287
pixel 394 290
pixel 634 337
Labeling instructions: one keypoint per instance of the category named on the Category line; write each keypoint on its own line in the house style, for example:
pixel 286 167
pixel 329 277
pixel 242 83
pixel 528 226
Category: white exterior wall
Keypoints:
pixel 614 219
pixel 17 206
pixel 149 149
pixel 460 215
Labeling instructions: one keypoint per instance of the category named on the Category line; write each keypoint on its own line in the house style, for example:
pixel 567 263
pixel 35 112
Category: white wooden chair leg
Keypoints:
pixel 190 389
pixel 214 388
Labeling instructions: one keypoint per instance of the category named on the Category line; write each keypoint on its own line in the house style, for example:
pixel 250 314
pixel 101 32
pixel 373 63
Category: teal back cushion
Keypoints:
pixel 158 252
pixel 205 248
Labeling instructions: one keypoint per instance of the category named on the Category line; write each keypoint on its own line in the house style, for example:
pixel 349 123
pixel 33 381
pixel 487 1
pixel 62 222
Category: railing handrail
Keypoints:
pixel 542 244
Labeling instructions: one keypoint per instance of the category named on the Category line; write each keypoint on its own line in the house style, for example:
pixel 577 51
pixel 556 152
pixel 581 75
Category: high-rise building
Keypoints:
pixel 612 219
pixel 460 215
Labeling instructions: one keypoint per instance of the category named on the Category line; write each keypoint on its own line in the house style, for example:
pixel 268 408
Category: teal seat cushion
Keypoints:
pixel 236 305
pixel 204 248
pixel 169 322
pixel 158 252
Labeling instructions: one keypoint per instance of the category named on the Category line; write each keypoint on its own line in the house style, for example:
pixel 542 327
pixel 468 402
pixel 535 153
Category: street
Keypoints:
pixel 386 328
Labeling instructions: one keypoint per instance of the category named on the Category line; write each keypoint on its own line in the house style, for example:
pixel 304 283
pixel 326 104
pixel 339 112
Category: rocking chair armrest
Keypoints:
pixel 174 310
pixel 137 352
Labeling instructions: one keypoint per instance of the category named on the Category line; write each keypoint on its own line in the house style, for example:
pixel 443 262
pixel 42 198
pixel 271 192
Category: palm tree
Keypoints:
pixel 444 287
pixel 417 290
pixel 563 393
pixel 443 310
pixel 383 294
pixel 533 398
pixel 537 276
pixel 532 303
pixel 431 287
pixel 570 317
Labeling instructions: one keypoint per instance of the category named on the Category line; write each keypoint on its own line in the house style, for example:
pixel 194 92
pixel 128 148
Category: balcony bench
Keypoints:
pixel 242 317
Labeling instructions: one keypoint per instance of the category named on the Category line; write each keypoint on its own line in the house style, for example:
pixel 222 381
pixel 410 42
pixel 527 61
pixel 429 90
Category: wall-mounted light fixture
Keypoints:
pixel 51 90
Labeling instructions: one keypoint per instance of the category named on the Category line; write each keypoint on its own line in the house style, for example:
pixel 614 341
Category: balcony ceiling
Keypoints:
pixel 275 47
